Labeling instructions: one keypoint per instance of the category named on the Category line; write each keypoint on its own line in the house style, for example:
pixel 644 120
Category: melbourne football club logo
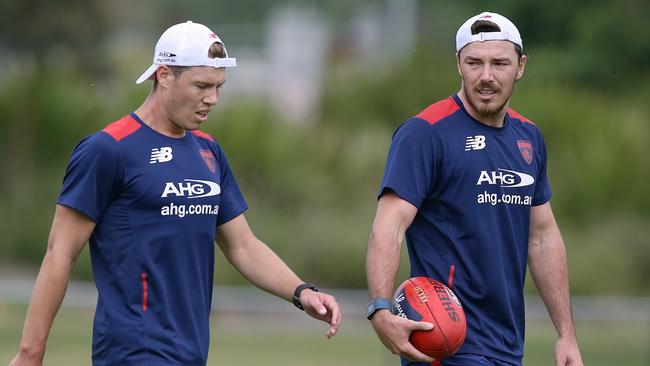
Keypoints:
pixel 526 149
pixel 209 160
pixel 160 155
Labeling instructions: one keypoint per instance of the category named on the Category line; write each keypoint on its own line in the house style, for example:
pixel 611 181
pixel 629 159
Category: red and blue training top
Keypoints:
pixel 156 202
pixel 474 186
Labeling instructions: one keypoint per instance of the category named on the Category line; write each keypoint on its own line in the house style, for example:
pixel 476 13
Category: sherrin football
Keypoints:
pixel 425 299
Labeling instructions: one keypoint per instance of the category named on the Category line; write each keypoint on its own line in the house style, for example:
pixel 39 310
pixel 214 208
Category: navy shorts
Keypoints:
pixel 463 360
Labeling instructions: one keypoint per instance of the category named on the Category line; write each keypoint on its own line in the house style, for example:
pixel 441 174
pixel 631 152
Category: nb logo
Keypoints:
pixel 475 143
pixel 160 155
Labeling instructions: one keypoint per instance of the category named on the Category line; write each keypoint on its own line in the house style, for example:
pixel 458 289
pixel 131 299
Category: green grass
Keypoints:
pixel 293 340
pixel 601 343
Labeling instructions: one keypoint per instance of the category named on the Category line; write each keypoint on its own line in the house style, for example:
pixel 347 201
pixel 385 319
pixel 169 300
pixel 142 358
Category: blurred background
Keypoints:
pixel 306 120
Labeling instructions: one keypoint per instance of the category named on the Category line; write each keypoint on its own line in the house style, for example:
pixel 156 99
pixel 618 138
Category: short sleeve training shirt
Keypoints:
pixel 474 186
pixel 156 202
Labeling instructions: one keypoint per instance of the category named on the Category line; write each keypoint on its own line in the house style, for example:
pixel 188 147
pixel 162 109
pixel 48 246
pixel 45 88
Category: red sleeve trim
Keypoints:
pixel 202 134
pixel 439 110
pixel 122 128
pixel 518 116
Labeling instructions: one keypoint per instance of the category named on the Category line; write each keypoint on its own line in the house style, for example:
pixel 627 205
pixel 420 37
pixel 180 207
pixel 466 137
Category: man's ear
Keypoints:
pixel 164 75
pixel 521 67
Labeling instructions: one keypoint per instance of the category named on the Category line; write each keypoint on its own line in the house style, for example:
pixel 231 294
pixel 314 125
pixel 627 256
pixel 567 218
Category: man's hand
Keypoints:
pixel 323 307
pixel 394 333
pixel 567 352
pixel 25 358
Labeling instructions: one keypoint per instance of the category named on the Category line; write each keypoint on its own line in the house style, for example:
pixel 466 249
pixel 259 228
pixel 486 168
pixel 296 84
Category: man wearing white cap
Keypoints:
pixel 465 183
pixel 151 193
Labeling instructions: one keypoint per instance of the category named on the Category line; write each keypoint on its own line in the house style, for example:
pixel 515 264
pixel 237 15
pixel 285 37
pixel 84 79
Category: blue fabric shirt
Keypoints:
pixel 156 202
pixel 474 186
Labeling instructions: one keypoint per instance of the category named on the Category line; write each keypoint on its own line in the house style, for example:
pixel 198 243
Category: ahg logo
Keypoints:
pixel 191 188
pixel 505 178
pixel 165 56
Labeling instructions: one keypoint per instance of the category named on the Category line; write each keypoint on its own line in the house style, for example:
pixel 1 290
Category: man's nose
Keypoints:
pixel 487 73
pixel 212 97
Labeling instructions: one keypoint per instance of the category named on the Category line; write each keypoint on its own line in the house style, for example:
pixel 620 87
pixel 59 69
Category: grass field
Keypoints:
pixel 293 340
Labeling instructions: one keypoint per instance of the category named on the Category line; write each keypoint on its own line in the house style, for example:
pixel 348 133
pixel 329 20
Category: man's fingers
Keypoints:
pixel 331 332
pixel 424 326
pixel 324 307
pixel 410 352
pixel 320 307
pixel 335 315
pixel 331 303
pixel 394 331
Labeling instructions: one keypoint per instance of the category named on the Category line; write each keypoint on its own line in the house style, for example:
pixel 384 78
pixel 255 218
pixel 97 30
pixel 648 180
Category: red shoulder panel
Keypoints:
pixel 439 110
pixel 518 116
pixel 122 127
pixel 202 134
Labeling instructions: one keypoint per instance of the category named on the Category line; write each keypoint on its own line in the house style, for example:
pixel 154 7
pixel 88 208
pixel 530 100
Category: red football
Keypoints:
pixel 427 300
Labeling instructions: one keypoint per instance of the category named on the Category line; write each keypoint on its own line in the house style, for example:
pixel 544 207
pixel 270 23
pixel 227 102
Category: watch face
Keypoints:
pixel 370 307
pixel 378 304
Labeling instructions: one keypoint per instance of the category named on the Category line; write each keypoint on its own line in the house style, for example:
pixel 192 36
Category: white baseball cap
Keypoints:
pixel 186 44
pixel 508 31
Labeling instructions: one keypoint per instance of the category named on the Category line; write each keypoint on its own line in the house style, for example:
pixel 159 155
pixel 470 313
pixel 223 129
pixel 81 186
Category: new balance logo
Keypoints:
pixel 475 143
pixel 160 155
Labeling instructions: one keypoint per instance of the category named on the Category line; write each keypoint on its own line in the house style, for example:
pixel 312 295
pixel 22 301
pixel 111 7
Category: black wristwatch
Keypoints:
pixel 377 304
pixel 296 294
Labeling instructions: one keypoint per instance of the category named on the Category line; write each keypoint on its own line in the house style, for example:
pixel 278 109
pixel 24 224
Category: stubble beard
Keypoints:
pixel 484 110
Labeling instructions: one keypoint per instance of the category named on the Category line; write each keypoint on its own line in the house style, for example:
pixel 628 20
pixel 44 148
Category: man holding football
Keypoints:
pixel 151 193
pixel 466 184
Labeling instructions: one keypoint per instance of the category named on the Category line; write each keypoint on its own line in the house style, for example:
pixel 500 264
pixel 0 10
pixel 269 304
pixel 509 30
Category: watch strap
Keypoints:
pixel 377 304
pixel 296 294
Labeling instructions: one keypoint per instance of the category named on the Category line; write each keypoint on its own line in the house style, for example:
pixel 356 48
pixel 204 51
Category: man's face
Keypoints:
pixel 191 94
pixel 489 71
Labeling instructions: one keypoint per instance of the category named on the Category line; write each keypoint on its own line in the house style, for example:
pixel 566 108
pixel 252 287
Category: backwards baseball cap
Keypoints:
pixel 508 31
pixel 186 44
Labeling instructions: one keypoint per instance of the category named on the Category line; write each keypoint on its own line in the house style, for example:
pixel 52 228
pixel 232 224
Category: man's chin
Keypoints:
pixel 193 125
pixel 490 108
pixel 489 111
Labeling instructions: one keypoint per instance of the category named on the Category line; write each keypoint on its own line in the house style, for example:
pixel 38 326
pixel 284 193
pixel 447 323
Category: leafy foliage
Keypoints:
pixel 312 189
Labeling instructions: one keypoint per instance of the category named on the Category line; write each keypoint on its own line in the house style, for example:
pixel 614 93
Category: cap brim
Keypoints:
pixel 147 74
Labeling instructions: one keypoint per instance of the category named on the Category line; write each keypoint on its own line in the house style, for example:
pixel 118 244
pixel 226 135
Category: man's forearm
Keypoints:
pixel 548 267
pixel 393 217
pixel 48 293
pixel 382 264
pixel 260 265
